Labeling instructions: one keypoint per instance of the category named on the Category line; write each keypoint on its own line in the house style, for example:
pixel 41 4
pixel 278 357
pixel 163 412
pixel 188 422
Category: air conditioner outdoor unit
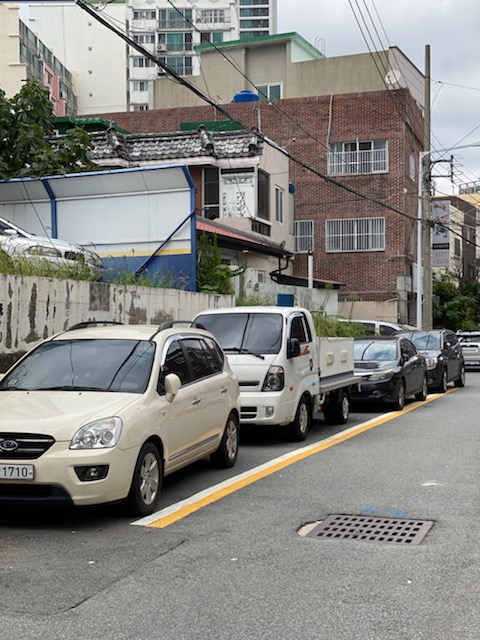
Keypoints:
pixel 161 47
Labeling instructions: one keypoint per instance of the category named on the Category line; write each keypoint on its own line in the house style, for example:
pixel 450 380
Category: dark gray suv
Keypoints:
pixel 442 351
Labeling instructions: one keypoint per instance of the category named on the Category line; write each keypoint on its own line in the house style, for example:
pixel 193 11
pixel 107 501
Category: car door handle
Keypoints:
pixel 196 401
pixel 223 391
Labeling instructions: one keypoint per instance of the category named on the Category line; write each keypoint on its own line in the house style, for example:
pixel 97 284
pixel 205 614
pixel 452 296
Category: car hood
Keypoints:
pixel 58 413
pixel 371 365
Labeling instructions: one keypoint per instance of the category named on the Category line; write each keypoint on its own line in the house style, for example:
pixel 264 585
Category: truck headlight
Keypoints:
pixel 101 434
pixel 274 380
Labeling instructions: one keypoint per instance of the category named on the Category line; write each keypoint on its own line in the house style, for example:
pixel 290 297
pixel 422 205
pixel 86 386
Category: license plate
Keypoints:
pixel 16 471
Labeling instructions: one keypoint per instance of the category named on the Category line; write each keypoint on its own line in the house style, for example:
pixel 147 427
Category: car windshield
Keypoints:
pixel 88 365
pixel 246 332
pixel 426 341
pixel 471 338
pixel 375 350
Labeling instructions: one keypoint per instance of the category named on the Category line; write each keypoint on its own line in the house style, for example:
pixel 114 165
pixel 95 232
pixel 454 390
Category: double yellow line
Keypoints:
pixel 184 508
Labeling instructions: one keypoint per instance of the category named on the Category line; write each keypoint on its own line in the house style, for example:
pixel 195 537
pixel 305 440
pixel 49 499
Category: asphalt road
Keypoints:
pixel 238 568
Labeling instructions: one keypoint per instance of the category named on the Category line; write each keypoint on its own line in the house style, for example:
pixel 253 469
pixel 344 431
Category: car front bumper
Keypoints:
pixel 55 480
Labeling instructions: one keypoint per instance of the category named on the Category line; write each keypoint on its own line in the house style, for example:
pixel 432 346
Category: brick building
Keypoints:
pixel 354 167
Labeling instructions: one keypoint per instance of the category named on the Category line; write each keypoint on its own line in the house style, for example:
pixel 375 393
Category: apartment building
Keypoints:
pixel 352 127
pixel 23 55
pixel 114 77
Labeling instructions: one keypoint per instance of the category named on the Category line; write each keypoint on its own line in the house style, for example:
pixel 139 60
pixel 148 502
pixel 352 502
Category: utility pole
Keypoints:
pixel 427 322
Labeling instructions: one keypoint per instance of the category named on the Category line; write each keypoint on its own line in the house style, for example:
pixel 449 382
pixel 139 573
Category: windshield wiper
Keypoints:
pixel 68 388
pixel 242 350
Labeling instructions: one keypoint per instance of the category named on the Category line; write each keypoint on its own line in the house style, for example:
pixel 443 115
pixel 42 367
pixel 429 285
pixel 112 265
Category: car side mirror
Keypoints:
pixel 293 347
pixel 172 386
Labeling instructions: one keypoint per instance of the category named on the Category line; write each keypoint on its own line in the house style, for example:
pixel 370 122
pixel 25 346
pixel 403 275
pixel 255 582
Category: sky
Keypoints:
pixel 450 27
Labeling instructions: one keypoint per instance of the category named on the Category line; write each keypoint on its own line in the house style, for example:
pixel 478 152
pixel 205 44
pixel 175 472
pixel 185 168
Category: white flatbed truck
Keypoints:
pixel 286 373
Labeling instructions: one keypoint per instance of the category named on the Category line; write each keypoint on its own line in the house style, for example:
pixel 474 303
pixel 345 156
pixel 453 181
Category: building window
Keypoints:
pixel 245 35
pixel 353 158
pixel 270 91
pixel 176 41
pixel 355 234
pixel 212 15
pixel 456 247
pixel 303 236
pixel 263 209
pixel 144 15
pixel 215 37
pixel 211 193
pixel 173 19
pixel 144 38
pixel 279 199
pixel 412 165
pixel 143 62
pixel 181 64
pixel 261 276
pixel 139 85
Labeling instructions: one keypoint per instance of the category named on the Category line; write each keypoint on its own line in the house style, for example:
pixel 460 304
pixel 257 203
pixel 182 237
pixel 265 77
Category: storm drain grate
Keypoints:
pixel 369 529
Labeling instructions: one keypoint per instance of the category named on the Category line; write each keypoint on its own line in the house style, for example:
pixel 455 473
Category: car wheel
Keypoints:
pixel 460 381
pixel 443 386
pixel 423 393
pixel 146 481
pixel 338 410
pixel 400 401
pixel 297 430
pixel 226 454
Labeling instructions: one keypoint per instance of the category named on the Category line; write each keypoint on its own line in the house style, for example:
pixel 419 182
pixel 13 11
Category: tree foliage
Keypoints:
pixel 456 307
pixel 27 145
pixel 212 275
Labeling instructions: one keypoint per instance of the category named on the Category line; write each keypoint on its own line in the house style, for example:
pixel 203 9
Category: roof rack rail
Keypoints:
pixel 168 324
pixel 88 323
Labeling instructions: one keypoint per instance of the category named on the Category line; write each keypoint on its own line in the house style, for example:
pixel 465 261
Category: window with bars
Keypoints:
pixel 354 158
pixel 355 234
pixel 303 236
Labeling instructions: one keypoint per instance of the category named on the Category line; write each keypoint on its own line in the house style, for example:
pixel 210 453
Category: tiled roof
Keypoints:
pixel 111 146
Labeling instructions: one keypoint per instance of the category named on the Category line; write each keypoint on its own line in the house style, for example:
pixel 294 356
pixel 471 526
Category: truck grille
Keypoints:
pixel 24 446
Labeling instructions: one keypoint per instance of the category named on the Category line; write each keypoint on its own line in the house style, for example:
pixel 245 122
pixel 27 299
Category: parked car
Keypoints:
pixel 18 243
pixel 100 414
pixel 390 369
pixel 377 327
pixel 470 346
pixel 443 354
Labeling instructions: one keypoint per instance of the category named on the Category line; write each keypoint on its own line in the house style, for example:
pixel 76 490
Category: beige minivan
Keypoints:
pixel 100 414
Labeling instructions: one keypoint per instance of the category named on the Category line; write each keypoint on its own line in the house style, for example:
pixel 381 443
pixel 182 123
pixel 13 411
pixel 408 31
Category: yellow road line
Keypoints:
pixel 182 509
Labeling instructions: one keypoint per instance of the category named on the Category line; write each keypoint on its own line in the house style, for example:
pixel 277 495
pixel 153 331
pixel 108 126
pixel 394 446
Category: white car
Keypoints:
pixel 18 243
pixel 100 414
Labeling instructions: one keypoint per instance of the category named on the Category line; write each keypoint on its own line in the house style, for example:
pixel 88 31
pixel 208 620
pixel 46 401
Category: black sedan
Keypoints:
pixel 390 369
pixel 443 353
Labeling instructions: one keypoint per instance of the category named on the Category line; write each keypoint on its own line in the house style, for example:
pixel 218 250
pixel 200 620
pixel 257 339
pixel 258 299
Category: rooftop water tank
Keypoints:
pixel 245 96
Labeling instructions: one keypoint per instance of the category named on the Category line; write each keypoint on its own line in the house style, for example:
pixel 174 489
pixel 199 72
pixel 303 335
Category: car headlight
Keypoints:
pixel 274 380
pixel 40 250
pixel 101 434
pixel 431 362
pixel 381 376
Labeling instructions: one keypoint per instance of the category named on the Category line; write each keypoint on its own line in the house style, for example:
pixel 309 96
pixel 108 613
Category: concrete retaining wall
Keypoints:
pixel 32 308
